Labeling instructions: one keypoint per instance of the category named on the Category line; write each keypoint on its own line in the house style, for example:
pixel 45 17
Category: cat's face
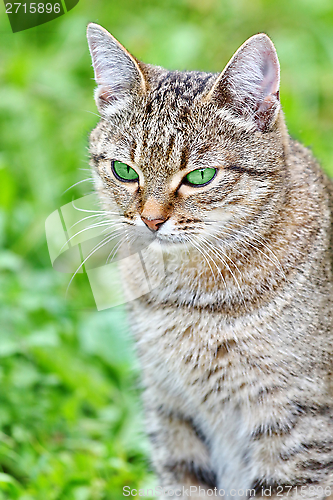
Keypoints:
pixel 183 157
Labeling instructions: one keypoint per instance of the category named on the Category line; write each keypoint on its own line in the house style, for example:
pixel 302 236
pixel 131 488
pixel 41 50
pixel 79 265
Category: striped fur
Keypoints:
pixel 236 344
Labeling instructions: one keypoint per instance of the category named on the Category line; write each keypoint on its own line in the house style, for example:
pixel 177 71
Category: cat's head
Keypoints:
pixel 188 155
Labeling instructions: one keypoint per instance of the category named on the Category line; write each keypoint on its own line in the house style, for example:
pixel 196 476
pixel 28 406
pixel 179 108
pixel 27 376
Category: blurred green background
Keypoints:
pixel 71 424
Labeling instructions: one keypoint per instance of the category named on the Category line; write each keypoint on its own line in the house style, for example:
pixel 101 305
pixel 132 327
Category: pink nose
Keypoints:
pixel 153 224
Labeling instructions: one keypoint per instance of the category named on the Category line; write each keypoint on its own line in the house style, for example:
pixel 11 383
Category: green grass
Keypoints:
pixel 71 425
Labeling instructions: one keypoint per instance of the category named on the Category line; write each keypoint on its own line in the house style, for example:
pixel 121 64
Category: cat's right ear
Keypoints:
pixel 117 72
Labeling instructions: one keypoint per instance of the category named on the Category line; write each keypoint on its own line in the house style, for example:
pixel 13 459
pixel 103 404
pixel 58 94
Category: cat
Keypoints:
pixel 236 343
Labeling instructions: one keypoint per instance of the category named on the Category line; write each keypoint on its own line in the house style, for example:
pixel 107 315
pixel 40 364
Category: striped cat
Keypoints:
pixel 236 344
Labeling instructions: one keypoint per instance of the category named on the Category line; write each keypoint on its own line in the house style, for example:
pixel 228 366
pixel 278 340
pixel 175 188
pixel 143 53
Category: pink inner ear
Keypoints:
pixel 270 81
pixel 266 111
pixel 269 101
pixel 105 94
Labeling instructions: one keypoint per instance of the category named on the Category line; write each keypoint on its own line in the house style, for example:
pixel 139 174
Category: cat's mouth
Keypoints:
pixel 164 239
pixel 167 242
pixel 162 234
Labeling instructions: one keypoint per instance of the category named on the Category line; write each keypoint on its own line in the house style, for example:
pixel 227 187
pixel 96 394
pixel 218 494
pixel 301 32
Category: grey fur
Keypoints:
pixel 236 345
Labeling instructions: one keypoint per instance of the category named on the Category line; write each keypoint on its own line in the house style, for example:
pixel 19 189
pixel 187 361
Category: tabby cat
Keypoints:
pixel 236 343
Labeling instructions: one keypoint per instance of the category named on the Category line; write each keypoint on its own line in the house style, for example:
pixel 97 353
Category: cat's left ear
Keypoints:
pixel 249 85
pixel 117 72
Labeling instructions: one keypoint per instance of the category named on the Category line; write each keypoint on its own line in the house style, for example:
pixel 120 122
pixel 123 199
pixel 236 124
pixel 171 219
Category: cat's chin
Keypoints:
pixel 162 242
pixel 166 246
pixel 170 240
pixel 145 235
pixel 143 238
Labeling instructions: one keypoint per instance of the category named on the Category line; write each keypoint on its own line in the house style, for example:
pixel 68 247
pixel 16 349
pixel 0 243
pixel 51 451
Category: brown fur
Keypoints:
pixel 236 344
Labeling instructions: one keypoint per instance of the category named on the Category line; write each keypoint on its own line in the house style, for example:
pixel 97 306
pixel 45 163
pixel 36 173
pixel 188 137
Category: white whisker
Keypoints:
pixel 216 252
pixel 202 251
pixel 252 237
pixel 106 240
pixel 93 226
pixel 77 183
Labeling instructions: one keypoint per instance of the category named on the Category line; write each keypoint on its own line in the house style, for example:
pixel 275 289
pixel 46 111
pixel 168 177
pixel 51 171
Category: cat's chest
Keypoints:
pixel 198 358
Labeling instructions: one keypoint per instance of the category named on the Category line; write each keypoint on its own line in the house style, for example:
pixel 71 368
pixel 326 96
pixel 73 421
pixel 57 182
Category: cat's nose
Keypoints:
pixel 153 224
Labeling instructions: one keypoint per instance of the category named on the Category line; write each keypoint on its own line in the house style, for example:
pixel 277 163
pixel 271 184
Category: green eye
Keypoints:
pixel 123 172
pixel 201 176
